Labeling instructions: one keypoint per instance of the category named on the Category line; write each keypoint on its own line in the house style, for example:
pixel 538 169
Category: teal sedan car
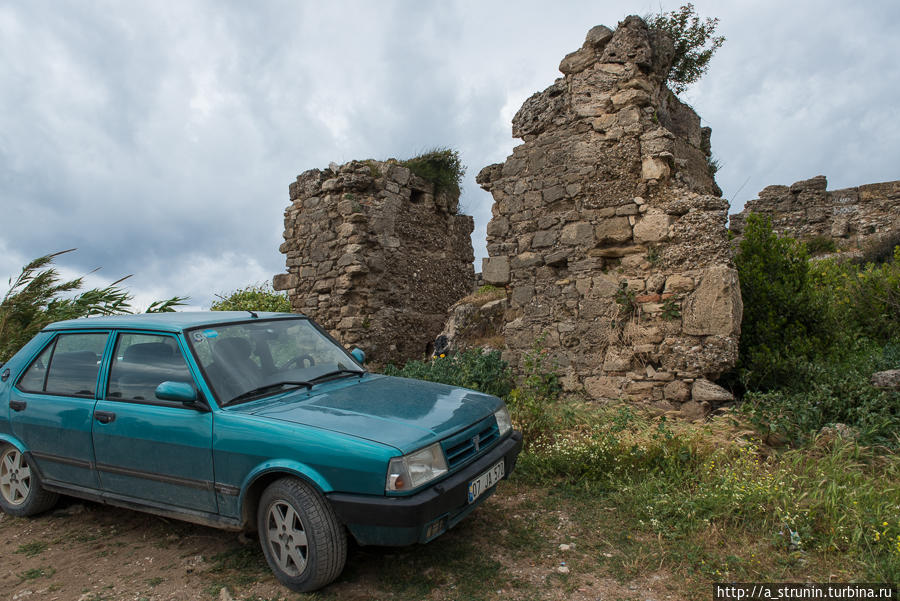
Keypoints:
pixel 246 421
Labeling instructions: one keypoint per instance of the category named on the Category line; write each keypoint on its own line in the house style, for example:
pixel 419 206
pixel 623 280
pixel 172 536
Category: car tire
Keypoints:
pixel 21 493
pixel 302 539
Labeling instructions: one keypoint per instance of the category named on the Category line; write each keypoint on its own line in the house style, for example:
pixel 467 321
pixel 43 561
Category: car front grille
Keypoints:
pixel 461 447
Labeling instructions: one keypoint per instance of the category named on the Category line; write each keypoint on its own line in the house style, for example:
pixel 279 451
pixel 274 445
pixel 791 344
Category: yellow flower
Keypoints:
pixel 442 355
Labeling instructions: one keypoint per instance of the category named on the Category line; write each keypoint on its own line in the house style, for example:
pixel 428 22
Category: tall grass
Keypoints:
pixel 681 482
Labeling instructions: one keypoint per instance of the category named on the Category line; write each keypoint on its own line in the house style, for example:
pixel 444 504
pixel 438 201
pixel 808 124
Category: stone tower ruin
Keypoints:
pixel 609 232
pixel 376 255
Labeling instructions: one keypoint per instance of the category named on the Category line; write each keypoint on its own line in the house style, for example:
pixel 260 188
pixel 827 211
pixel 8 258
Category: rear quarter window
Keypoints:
pixel 68 366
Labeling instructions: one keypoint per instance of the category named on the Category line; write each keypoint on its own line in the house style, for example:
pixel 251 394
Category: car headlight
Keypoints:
pixel 413 470
pixel 504 424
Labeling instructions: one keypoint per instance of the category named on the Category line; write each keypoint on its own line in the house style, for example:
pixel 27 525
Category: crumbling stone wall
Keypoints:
pixel 375 256
pixel 851 217
pixel 609 232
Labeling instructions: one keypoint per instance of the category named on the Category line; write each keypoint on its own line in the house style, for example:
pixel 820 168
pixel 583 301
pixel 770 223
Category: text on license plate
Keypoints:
pixel 486 480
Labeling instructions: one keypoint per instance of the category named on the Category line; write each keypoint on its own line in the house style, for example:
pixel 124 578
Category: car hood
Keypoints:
pixel 405 414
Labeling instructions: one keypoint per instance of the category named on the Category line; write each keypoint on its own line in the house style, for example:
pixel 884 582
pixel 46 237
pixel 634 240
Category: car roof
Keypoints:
pixel 170 322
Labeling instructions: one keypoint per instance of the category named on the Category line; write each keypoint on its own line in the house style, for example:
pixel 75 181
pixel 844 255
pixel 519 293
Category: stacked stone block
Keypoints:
pixel 851 217
pixel 376 256
pixel 609 232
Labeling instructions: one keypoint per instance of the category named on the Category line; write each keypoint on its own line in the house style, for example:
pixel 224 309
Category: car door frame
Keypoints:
pixel 171 485
pixel 55 469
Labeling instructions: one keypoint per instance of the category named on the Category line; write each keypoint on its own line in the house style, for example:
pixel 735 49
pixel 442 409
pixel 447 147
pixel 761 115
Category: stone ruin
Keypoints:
pixel 376 255
pixel 851 218
pixel 609 233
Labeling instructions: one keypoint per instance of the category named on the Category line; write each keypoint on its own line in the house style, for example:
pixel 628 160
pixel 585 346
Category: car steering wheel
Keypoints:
pixel 299 360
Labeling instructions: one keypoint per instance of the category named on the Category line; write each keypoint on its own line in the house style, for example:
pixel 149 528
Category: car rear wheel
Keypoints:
pixel 303 542
pixel 21 494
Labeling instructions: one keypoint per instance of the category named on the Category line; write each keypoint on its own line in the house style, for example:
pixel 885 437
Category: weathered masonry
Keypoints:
pixel 851 217
pixel 375 256
pixel 609 232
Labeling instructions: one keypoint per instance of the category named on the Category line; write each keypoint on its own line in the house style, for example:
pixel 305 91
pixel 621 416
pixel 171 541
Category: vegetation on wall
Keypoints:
pixel 440 166
pixel 38 297
pixel 695 44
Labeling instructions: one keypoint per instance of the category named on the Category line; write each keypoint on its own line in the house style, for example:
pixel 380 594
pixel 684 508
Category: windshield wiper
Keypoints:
pixel 337 372
pixel 262 389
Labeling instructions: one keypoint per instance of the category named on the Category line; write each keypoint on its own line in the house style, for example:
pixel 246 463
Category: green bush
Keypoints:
pixel 833 390
pixel 860 301
pixel 531 405
pixel 820 244
pixel 253 298
pixel 472 368
pixel 783 323
pixel 441 166
pixel 881 249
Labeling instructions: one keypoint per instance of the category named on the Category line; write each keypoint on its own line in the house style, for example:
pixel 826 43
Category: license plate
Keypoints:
pixel 485 481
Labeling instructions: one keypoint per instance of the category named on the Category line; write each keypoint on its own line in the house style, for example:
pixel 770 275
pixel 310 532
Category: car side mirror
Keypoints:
pixel 180 392
pixel 359 355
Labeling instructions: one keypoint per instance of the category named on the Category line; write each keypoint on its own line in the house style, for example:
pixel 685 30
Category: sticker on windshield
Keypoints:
pixel 210 333
pixel 199 337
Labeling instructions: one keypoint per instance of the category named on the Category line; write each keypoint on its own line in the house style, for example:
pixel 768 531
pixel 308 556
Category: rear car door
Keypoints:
pixel 52 406
pixel 158 452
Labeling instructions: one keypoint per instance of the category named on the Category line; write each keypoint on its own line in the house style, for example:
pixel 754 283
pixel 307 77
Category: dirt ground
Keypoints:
pixel 516 546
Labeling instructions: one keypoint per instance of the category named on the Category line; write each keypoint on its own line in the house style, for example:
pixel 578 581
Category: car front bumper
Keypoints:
pixel 418 518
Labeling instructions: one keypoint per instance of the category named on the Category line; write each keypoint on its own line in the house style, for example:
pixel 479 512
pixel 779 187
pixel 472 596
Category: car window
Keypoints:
pixel 68 366
pixel 33 378
pixel 242 357
pixel 142 362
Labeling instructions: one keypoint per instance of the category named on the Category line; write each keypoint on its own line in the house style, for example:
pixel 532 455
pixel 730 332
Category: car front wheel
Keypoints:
pixel 21 494
pixel 303 542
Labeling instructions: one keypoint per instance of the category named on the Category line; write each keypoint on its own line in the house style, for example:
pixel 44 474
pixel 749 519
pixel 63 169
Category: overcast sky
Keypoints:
pixel 159 138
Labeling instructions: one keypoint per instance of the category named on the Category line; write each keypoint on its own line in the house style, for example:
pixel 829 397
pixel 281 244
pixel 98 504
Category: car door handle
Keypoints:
pixel 18 405
pixel 104 417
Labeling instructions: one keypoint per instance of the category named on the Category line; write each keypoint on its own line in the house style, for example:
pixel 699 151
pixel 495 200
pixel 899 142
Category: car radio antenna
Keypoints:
pixel 252 314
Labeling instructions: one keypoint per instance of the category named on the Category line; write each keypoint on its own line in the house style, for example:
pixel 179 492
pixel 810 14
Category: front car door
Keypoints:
pixel 153 451
pixel 52 406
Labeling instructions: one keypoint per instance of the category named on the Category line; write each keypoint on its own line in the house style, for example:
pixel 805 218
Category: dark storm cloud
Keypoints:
pixel 160 138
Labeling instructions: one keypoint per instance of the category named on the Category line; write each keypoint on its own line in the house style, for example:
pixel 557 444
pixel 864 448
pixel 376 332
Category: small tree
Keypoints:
pixel 253 298
pixel 695 44
pixel 782 322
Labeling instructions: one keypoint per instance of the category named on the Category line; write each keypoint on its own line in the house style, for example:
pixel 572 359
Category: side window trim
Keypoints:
pixel 49 363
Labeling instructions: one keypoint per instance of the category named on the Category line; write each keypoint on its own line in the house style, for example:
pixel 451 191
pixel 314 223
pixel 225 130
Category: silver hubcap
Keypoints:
pixel 287 538
pixel 15 477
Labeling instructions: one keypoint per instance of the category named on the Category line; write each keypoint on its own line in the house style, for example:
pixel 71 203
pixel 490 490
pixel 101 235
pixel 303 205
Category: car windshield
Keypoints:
pixel 243 361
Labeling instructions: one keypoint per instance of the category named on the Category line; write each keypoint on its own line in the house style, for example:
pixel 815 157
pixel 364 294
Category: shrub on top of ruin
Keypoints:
pixel 694 40
pixel 253 298
pixel 440 166
pixel 484 295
